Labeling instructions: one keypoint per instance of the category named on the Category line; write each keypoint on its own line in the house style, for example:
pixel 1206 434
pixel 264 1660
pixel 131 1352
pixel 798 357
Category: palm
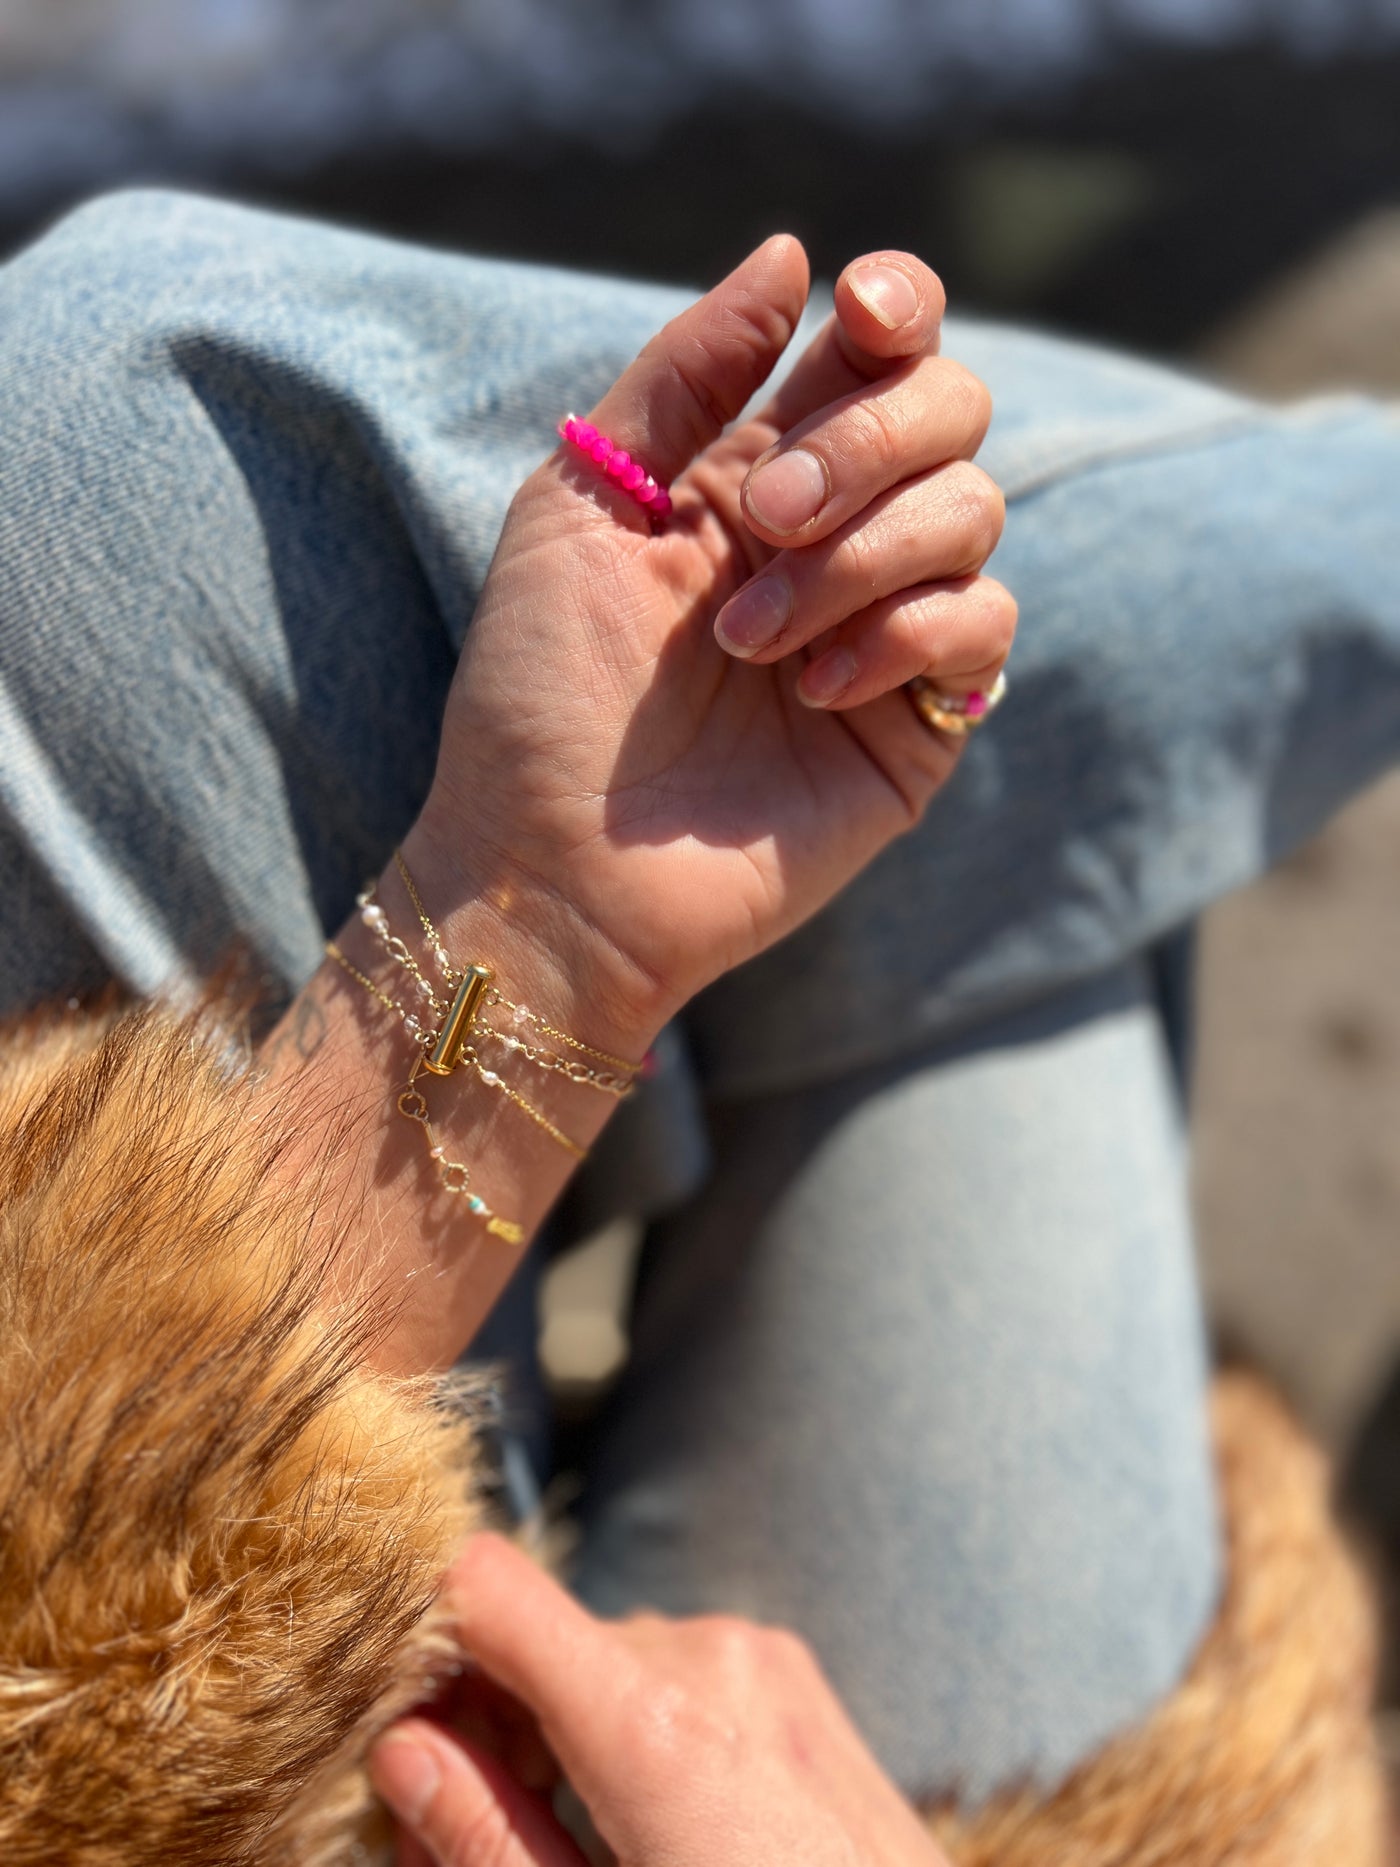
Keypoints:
pixel 700 802
pixel 599 742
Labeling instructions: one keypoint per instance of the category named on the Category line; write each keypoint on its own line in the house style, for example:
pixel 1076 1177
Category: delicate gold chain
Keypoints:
pixel 413 1025
pixel 493 1081
pixel 617 1079
pixel 434 939
pixel 423 1039
pixel 454 1174
pixel 389 1004
pixel 377 921
pixel 495 997
pixel 611 1085
pixel 412 1104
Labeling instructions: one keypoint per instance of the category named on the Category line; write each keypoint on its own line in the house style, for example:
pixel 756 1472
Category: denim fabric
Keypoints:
pixel 919 1371
pixel 919 1363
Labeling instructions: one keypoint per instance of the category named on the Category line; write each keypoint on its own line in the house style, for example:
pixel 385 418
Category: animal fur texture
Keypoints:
pixel 1265 1755
pixel 220 1535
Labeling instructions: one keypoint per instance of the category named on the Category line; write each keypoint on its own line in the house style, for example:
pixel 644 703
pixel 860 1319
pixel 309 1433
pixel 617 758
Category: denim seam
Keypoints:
pixel 1038 477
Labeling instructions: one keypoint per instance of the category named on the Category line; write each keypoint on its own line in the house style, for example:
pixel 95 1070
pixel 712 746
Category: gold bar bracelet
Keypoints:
pixel 442 1059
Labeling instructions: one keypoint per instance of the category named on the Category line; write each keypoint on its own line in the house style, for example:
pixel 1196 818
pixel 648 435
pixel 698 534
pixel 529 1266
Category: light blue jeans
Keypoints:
pixel 918 1349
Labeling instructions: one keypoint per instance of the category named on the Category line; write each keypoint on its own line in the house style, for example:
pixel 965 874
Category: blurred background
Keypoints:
pixel 1212 181
pixel 1134 169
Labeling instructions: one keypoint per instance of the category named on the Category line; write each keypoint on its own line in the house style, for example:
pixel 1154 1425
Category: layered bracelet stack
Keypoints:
pixel 448 1028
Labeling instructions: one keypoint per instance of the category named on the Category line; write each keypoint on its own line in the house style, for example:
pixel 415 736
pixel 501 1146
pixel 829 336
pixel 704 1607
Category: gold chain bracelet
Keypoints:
pixel 411 1103
pixel 494 996
pixel 454 1175
pixel 610 1084
pixel 444 1045
pixel 424 1038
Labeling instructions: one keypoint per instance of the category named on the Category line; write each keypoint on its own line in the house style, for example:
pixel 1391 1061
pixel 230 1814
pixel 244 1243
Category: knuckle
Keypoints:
pixel 968 397
pixel 878 432
pixel 858 562
pixel 788 1651
pixel 642 1727
pixel 662 1724
pixel 731 1643
pixel 757 326
pixel 735 345
pixel 1002 613
pixel 978 508
pixel 693 368
pixel 917 628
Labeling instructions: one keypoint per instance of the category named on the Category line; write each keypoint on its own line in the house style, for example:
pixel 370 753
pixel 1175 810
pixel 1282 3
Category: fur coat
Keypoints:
pixel 220 1535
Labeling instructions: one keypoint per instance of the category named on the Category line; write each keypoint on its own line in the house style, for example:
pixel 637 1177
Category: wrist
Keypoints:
pixel 542 947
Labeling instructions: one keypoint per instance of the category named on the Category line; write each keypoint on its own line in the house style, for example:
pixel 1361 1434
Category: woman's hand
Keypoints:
pixel 689 1742
pixel 631 794
pixel 624 763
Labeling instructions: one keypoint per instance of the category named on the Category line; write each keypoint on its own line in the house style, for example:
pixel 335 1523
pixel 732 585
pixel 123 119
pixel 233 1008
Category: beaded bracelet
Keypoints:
pixel 617 1079
pixel 411 1103
pixel 462 1053
pixel 443 1044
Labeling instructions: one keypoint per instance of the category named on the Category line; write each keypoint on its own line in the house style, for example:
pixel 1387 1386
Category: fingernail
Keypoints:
pixel 755 617
pixel 887 294
pixel 827 678
pixel 787 491
pixel 406 1774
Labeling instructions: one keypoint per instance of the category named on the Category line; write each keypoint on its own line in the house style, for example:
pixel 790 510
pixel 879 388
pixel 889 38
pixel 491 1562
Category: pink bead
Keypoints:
pixel 976 706
pixel 618 464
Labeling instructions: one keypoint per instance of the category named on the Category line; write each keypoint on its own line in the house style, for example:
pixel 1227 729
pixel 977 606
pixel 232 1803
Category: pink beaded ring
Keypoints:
pixel 629 475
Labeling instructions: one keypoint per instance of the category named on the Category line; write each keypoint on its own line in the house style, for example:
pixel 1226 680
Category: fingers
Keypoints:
pixel 475 1707
pixel 868 405
pixel 941 525
pixel 829 467
pixel 856 345
pixel 880 523
pixel 699 373
pixel 541 1645
pixel 957 633
pixel 463 1807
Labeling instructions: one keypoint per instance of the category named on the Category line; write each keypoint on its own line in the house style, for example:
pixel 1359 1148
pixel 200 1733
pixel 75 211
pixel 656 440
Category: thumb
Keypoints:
pixel 531 1636
pixel 462 1805
pixel 698 373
